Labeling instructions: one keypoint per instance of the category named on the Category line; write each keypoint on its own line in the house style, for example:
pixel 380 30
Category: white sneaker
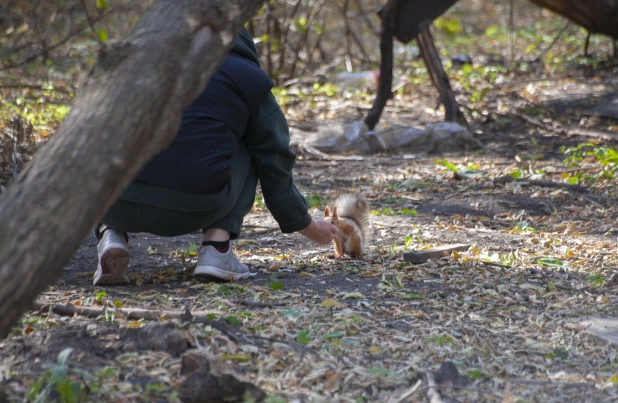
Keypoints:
pixel 113 251
pixel 224 266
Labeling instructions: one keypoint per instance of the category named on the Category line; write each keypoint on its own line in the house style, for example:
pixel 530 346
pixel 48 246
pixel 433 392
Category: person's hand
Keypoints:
pixel 320 231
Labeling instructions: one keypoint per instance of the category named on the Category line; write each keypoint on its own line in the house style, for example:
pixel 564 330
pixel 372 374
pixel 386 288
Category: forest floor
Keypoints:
pixel 505 320
pixel 308 326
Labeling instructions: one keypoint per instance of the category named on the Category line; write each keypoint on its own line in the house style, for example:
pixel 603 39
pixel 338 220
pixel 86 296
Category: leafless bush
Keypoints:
pixel 38 30
pixel 296 37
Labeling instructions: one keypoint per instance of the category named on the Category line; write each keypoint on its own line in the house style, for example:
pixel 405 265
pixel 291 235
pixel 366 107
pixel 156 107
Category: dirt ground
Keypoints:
pixel 309 327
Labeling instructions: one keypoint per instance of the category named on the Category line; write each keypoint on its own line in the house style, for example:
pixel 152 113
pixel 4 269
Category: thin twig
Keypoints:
pixel 90 22
pixel 432 392
pixel 551 45
pixel 284 42
pixel 365 16
pixel 407 393
pixel 305 36
pixel 511 32
pixel 67 38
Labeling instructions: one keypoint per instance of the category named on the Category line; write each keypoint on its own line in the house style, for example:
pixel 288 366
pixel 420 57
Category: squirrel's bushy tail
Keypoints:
pixel 354 206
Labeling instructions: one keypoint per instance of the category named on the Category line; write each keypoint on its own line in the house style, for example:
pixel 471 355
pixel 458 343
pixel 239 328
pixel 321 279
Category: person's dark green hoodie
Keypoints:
pixel 237 105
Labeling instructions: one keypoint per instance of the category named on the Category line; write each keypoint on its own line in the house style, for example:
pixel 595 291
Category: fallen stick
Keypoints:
pixel 569 130
pixel 130 313
pixel 404 396
pixel 432 391
pixel 538 382
pixel 534 182
pixel 421 256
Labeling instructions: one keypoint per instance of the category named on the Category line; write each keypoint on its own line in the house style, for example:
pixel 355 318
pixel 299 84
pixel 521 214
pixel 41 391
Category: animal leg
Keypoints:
pixel 338 248
pixel 356 244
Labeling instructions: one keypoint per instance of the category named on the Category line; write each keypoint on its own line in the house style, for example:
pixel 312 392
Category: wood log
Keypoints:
pixel 129 110
pixel 421 256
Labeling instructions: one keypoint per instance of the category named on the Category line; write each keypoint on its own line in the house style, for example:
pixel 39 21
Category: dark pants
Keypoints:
pixel 167 212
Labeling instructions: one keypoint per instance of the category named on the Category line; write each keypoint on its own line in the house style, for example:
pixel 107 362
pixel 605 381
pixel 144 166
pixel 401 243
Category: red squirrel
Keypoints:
pixel 350 214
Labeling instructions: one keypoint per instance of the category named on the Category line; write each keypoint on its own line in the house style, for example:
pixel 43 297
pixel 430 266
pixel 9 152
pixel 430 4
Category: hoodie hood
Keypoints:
pixel 245 47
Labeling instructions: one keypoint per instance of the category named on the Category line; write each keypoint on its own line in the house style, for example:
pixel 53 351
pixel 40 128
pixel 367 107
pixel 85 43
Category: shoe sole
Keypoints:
pixel 215 272
pixel 112 268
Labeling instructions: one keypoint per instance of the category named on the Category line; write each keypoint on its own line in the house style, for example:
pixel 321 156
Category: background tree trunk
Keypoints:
pixel 128 110
pixel 385 92
pixel 597 16
pixel 440 80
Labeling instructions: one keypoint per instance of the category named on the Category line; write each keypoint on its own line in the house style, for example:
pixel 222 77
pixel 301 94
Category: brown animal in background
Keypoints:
pixel 350 214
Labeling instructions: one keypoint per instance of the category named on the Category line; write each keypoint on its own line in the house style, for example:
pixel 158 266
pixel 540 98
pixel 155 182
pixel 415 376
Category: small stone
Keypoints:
pixel 603 330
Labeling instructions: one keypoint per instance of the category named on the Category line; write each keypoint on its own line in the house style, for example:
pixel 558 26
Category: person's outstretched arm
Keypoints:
pixel 268 140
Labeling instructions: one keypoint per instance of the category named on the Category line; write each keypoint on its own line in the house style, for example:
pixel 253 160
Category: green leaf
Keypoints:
pixel 314 200
pixel 233 321
pixel 596 279
pixel 63 356
pixel 448 165
pixel 442 340
pixel 517 174
pixel 102 34
pixel 302 337
pixel 476 374
pixel 236 357
pixel 334 335
pixel 408 240
pixel 329 303
pixel 407 211
pixel 100 296
pixel 354 295
pixel 467 69
pixel 276 285
pixel 380 371
pixel 36 386
pixel 411 295
pixel 103 5
pixel 549 261
pixel 274 399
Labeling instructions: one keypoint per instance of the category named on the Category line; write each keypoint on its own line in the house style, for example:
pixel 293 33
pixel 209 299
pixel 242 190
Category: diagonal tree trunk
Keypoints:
pixel 597 16
pixel 128 110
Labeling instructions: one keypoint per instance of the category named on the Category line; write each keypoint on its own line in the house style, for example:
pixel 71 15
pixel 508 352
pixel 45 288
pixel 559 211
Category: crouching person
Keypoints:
pixel 231 136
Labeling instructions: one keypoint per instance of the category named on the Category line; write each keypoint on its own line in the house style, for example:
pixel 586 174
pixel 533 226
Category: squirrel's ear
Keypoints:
pixel 326 212
pixel 335 213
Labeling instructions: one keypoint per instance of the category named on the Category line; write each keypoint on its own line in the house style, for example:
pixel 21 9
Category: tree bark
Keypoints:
pixel 129 110
pixel 385 92
pixel 597 16
pixel 439 77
